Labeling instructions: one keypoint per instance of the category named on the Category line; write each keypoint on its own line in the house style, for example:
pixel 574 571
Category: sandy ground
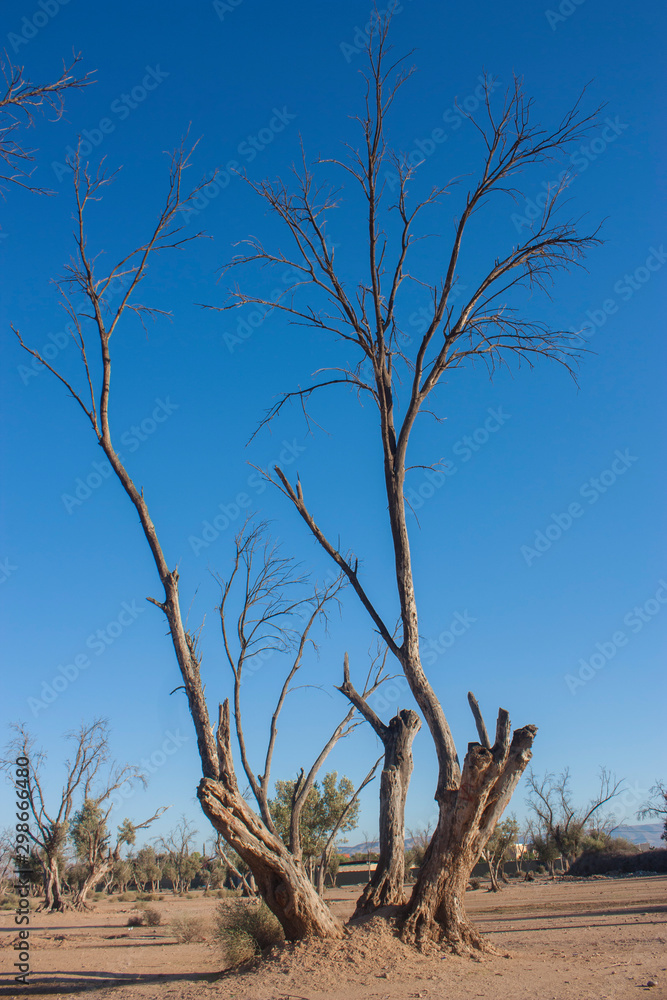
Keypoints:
pixel 597 939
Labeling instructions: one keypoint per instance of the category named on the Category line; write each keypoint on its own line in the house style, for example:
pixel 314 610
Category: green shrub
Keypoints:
pixel 126 897
pixel 152 916
pixel 245 929
pixel 146 897
pixel 239 947
pixel 8 902
pixel 135 920
pixel 188 929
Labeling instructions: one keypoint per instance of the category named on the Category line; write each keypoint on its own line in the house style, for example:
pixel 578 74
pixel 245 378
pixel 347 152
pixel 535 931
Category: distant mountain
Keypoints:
pixel 645 833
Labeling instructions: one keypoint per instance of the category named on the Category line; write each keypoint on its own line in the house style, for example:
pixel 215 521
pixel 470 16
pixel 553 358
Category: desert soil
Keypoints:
pixel 594 939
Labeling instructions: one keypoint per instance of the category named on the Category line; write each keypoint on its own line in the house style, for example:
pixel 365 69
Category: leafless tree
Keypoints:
pixel 7 847
pixel 273 616
pixel 377 360
pixel 20 101
pixel 656 805
pixel 82 771
pixel 280 876
pixel 559 821
pixel 386 885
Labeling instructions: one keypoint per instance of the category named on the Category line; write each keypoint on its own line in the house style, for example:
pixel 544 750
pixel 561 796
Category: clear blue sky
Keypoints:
pixel 232 72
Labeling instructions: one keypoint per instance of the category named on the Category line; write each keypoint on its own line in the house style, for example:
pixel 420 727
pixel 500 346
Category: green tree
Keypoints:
pixel 91 838
pixel 146 868
pixel 324 804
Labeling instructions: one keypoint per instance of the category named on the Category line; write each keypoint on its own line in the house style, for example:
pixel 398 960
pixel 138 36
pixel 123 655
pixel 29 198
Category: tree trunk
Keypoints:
pixel 468 815
pixel 94 876
pixel 53 894
pixel 386 886
pixel 386 883
pixel 281 879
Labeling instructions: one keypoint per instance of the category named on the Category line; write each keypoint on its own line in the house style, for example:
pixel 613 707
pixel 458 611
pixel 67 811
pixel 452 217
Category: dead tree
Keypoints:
pixel 560 822
pixel 273 617
pixel 386 886
pixel 399 376
pixel 278 872
pixel 20 100
pixel 279 875
pixel 52 825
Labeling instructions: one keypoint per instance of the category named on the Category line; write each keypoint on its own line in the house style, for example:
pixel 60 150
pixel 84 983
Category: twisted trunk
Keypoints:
pixel 53 894
pixel 281 879
pixel 94 876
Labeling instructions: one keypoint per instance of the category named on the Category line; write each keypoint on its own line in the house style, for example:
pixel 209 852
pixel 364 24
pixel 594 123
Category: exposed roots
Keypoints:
pixel 426 934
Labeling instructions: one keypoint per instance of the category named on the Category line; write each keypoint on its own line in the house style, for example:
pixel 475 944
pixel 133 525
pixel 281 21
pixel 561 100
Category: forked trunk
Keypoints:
pixel 468 816
pixel 281 879
pixel 386 886
pixel 92 879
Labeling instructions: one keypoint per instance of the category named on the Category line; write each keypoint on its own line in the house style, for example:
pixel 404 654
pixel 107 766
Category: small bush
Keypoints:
pixel 152 916
pixel 239 947
pixel 474 883
pixel 8 902
pixel 126 897
pixel 228 893
pixel 189 929
pixel 135 920
pixel 146 897
pixel 246 929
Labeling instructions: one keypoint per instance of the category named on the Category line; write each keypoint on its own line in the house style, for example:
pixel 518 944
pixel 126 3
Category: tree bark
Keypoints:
pixel 94 876
pixel 281 879
pixel 467 818
pixel 53 895
pixel 386 886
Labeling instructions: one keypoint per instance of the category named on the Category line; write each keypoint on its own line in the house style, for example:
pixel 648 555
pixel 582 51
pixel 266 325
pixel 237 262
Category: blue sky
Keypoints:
pixel 539 586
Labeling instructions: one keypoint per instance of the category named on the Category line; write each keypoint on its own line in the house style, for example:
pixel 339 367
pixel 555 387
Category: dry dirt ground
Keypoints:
pixel 588 940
